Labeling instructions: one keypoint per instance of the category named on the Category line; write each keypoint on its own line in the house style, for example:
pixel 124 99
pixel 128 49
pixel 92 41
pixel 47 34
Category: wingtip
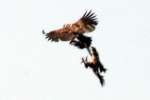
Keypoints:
pixel 84 14
pixel 91 16
pixel 88 13
pixel 43 32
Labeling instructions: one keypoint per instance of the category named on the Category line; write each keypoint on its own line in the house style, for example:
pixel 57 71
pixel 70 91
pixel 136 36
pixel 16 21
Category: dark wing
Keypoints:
pixel 86 23
pixel 82 41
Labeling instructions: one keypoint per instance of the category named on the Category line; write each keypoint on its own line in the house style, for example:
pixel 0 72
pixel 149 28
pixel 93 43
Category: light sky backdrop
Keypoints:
pixel 31 68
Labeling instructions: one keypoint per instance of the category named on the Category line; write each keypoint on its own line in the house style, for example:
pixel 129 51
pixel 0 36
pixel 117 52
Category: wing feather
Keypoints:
pixel 63 34
pixel 86 23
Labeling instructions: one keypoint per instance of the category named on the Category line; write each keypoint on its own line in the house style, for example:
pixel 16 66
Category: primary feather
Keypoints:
pixel 85 24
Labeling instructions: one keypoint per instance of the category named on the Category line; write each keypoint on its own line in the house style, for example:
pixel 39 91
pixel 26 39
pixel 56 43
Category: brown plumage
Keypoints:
pixel 85 24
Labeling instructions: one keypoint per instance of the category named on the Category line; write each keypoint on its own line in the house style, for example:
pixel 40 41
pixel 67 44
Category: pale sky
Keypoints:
pixel 32 68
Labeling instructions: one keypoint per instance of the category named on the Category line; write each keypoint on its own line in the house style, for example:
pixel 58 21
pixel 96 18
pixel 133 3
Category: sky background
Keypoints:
pixel 33 69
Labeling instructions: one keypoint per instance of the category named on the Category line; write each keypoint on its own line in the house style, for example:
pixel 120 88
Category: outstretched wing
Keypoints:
pixel 86 23
pixel 63 34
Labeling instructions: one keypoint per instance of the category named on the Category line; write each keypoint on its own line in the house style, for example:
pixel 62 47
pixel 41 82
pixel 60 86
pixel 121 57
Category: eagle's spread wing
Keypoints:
pixel 85 24
pixel 63 34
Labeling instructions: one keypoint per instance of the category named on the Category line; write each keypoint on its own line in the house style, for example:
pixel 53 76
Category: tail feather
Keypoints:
pixel 101 79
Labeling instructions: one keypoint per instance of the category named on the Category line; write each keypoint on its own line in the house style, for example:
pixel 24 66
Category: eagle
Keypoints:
pixel 95 64
pixel 86 24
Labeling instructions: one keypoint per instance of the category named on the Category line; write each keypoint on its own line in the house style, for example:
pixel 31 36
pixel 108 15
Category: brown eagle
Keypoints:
pixel 69 32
